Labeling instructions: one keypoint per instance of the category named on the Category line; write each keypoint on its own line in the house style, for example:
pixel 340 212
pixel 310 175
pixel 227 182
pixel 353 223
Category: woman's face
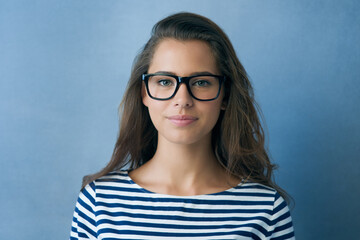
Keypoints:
pixel 182 119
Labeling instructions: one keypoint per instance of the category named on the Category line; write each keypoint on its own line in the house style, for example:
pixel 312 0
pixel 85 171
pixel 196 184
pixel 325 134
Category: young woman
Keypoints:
pixel 193 145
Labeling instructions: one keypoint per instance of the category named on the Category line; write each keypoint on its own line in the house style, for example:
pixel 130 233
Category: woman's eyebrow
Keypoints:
pixel 202 73
pixel 165 72
pixel 192 74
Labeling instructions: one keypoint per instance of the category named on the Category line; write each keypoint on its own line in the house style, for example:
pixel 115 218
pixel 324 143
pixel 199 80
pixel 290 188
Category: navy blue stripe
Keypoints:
pixel 87 218
pixel 108 178
pixel 186 219
pixel 83 235
pixel 85 205
pixel 121 189
pixel 88 196
pixel 87 229
pixel 92 185
pixel 281 206
pixel 113 180
pixel 176 234
pixel 182 209
pixel 73 229
pixel 283 237
pixel 178 226
pixel 183 200
pixel 182 218
pixel 283 227
pixel 245 194
pixel 282 217
pixel 225 193
pixel 251 185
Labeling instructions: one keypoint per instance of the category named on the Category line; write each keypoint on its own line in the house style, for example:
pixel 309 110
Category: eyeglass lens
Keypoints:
pixel 201 87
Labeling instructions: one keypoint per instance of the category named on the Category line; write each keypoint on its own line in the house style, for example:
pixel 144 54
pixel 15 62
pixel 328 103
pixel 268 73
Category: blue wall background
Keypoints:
pixel 64 66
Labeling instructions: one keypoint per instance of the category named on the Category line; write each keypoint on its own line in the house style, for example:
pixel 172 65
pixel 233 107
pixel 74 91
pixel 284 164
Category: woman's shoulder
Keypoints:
pixel 266 195
pixel 111 179
pixel 118 175
pixel 114 178
pixel 258 192
pixel 116 183
pixel 254 188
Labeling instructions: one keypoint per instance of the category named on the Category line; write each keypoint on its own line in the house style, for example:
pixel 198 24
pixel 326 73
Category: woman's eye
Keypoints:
pixel 165 82
pixel 201 83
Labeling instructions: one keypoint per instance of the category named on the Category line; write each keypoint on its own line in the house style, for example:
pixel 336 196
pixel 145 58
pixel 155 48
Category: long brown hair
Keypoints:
pixel 237 138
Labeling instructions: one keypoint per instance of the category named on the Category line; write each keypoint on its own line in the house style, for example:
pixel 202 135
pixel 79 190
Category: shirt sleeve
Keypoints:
pixel 84 223
pixel 281 220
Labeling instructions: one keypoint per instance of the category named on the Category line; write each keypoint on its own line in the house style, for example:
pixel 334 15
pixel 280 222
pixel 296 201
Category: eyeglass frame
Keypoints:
pixel 179 80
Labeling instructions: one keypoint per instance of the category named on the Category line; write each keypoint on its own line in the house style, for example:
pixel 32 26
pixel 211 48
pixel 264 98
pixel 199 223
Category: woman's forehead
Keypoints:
pixel 183 57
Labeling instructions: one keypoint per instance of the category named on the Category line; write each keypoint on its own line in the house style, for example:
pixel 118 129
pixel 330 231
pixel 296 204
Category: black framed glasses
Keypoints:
pixel 204 87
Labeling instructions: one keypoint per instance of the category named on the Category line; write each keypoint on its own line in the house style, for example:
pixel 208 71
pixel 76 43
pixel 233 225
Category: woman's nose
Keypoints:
pixel 182 97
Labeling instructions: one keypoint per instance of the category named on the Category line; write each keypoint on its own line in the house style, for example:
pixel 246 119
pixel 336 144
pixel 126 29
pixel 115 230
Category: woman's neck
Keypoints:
pixel 184 163
pixel 179 169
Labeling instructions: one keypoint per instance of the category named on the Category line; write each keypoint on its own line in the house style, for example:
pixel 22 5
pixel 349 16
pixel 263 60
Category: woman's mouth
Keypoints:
pixel 182 120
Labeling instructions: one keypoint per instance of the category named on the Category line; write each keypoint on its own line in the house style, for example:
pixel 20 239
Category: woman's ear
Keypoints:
pixel 144 96
pixel 223 105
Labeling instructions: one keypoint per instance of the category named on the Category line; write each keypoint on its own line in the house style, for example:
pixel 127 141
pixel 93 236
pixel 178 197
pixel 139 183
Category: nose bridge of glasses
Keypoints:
pixel 184 80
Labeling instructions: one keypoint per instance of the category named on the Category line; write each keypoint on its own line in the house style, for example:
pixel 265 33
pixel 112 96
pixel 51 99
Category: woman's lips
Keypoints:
pixel 182 120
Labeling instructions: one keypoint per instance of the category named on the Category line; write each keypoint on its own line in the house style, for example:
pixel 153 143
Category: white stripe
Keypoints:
pixel 183 231
pixel 247 187
pixel 177 213
pixel 243 197
pixel 283 232
pixel 128 236
pixel 178 223
pixel 187 205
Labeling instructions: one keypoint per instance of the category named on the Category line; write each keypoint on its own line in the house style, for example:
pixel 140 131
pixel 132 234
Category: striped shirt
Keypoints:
pixel 115 207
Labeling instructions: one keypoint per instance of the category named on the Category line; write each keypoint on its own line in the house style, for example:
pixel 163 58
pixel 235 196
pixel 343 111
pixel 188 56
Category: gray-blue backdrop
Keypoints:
pixel 64 65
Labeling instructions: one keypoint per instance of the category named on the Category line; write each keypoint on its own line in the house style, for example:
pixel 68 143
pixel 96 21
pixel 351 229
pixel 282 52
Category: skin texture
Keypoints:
pixel 184 162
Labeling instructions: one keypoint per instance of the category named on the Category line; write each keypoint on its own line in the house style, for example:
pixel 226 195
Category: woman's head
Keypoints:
pixel 238 96
pixel 237 137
